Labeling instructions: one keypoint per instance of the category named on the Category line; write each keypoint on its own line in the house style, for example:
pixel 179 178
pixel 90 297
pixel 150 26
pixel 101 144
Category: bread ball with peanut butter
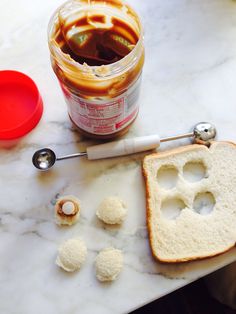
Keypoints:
pixel 67 210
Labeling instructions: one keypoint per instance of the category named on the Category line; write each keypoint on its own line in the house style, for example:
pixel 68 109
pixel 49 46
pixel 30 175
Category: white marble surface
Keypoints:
pixel 189 75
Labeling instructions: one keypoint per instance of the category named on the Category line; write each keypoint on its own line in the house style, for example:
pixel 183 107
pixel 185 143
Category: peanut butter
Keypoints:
pixel 97 54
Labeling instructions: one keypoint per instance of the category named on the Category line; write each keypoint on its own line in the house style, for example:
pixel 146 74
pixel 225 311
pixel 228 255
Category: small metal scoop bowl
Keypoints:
pixel 204 133
pixel 44 159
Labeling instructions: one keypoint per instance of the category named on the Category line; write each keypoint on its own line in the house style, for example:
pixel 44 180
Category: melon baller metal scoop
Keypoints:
pixel 202 133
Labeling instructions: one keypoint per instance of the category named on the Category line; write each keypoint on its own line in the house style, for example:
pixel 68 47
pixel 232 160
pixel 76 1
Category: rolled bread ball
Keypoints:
pixel 108 264
pixel 112 210
pixel 67 210
pixel 71 254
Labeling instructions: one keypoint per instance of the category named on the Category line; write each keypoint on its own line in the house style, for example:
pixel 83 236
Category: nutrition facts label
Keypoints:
pixel 104 116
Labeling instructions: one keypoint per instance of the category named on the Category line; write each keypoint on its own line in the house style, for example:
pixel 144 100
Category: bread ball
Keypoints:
pixel 67 210
pixel 112 210
pixel 108 263
pixel 71 254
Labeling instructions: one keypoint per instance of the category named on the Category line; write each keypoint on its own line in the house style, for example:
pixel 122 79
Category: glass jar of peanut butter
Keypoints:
pixel 97 54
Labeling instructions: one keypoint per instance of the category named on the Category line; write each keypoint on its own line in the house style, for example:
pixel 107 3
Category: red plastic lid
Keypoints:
pixel 21 105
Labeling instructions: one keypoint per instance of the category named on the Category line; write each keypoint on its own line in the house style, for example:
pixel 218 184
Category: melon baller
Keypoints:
pixel 202 133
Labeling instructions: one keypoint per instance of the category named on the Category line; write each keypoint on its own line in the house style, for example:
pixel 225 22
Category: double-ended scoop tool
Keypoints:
pixel 202 133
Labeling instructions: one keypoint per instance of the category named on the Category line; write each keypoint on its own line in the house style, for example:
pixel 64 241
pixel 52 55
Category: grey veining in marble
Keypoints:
pixel 189 76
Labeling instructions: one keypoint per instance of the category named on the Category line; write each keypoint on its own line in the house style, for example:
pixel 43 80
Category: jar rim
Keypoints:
pixel 111 69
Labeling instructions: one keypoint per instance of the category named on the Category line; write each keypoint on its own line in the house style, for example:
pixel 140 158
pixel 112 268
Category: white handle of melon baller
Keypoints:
pixel 123 147
pixel 202 133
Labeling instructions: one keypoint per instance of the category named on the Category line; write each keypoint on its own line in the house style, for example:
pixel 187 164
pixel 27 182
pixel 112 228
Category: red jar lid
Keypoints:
pixel 21 105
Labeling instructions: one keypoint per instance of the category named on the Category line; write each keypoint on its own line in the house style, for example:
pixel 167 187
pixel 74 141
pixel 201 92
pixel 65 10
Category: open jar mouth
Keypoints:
pixel 108 70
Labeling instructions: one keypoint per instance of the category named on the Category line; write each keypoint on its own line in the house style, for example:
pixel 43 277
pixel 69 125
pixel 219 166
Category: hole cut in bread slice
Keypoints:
pixel 192 234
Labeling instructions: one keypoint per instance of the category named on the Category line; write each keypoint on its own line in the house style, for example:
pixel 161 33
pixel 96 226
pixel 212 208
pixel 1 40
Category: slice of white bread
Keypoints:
pixel 192 235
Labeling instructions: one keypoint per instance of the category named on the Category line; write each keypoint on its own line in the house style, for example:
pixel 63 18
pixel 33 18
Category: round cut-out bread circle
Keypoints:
pixel 204 203
pixel 194 171
pixel 171 207
pixel 167 176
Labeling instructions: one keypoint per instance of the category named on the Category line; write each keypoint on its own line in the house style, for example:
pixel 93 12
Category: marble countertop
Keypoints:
pixel 189 76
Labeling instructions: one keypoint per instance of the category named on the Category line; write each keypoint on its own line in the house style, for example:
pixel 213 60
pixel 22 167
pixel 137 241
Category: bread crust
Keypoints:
pixel 164 154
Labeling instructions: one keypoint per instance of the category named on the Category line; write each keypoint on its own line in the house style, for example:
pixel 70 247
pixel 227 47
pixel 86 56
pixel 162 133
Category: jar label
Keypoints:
pixel 102 117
